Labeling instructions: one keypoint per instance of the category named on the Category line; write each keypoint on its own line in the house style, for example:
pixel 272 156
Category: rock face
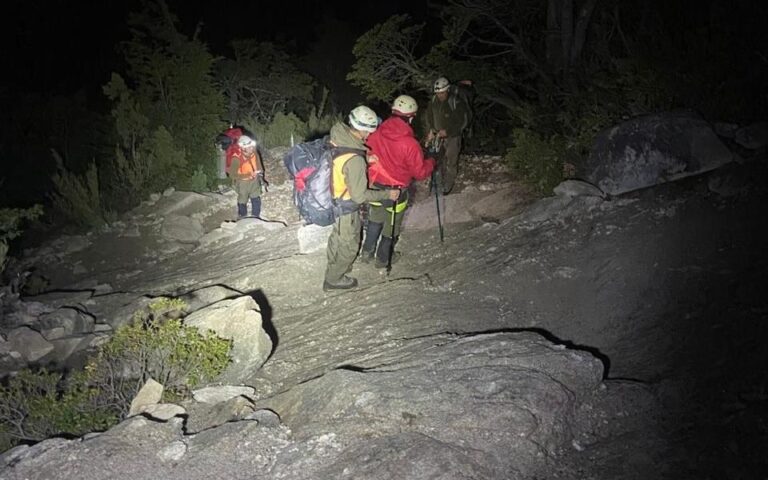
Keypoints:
pixel 484 406
pixel 653 149
pixel 182 229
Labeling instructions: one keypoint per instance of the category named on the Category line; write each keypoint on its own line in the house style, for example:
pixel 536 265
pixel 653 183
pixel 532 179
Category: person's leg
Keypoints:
pixel 377 215
pixel 243 191
pixel 256 206
pixel 450 169
pixel 372 234
pixel 389 238
pixel 342 250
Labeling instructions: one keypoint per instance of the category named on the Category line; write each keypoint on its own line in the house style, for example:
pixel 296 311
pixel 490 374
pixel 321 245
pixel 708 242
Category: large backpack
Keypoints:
pixel 227 141
pixel 310 165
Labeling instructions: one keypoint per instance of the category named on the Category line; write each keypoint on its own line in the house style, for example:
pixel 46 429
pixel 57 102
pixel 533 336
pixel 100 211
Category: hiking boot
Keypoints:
pixel 343 284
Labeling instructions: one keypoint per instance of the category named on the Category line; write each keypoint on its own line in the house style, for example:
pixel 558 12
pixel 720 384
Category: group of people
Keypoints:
pixel 380 179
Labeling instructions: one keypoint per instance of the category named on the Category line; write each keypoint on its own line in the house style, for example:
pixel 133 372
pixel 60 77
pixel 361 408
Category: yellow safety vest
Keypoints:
pixel 339 183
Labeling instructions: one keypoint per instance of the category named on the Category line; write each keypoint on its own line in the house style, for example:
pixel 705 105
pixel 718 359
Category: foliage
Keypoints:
pixel 156 345
pixel 77 197
pixel 166 108
pixel 386 60
pixel 10 226
pixel 537 159
pixel 261 82
pixel 35 405
pixel 285 128
pixel 12 218
pixel 197 182
pixel 560 88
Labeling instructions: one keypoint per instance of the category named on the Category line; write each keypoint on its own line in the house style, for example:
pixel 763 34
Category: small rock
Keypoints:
pixel 222 393
pixel 150 394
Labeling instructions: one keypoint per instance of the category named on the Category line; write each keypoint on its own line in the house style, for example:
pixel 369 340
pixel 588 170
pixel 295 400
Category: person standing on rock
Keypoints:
pixel 247 174
pixel 448 114
pixel 350 190
pixel 396 160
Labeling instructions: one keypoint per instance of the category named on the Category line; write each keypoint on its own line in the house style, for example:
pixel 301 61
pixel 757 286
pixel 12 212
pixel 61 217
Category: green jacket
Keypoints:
pixel 453 114
pixel 356 169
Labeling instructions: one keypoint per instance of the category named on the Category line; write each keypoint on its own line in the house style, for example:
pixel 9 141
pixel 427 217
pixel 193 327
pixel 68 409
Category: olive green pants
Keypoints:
pixel 342 246
pixel 247 189
pixel 449 163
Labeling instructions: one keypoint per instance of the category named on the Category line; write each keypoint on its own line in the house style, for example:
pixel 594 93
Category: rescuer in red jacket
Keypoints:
pixel 396 160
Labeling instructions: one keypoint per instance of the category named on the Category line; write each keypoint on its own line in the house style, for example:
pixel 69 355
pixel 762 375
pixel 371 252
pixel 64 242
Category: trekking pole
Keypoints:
pixel 436 187
pixel 392 232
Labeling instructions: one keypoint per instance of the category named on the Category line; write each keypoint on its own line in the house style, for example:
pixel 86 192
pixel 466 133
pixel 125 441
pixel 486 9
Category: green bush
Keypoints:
pixel 156 345
pixel 77 197
pixel 197 182
pixel 35 405
pixel 280 131
pixel 10 226
pixel 285 127
pixel 537 160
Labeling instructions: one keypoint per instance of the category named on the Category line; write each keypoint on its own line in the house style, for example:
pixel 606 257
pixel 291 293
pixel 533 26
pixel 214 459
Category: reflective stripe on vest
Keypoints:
pixel 398 208
pixel 338 182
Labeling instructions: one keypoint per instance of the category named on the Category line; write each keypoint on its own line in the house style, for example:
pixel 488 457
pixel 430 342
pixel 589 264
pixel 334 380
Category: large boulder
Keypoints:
pixel 653 149
pixel 29 343
pixel 753 137
pixel 483 406
pixel 453 209
pixel 238 320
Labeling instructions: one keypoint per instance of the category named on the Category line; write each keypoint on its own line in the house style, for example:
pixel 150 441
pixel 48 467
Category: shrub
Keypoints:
pixel 76 197
pixel 10 226
pixel 197 182
pixel 156 345
pixel 279 131
pixel 538 160
pixel 35 405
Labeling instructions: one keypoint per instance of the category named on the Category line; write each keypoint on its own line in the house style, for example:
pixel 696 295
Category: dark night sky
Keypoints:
pixel 59 46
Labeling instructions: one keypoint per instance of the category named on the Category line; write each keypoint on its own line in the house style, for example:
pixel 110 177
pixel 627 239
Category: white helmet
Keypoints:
pixel 364 119
pixel 405 105
pixel 441 85
pixel 245 141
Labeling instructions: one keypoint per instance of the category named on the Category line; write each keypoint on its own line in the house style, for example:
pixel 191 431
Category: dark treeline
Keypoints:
pixel 547 76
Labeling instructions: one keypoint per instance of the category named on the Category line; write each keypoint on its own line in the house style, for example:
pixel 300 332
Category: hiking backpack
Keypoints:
pixel 227 141
pixel 310 166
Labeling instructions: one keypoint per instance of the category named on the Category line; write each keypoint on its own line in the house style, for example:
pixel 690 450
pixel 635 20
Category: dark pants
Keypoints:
pixel 381 223
pixel 242 208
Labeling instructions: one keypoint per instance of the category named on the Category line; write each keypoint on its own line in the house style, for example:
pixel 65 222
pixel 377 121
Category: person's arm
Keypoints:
pixel 420 167
pixel 357 182
pixel 259 163
pixel 429 123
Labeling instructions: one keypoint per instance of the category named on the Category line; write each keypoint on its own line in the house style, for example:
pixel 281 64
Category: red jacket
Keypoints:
pixel 400 158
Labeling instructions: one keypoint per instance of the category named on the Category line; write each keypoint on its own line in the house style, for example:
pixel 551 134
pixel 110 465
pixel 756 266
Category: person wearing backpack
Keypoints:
pixel 396 161
pixel 349 185
pixel 247 174
pixel 448 114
